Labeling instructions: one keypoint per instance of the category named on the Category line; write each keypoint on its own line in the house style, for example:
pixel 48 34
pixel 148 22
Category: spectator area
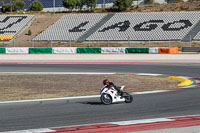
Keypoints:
pixel 70 27
pixel 155 26
pixel 162 26
pixel 11 25
pixel 197 37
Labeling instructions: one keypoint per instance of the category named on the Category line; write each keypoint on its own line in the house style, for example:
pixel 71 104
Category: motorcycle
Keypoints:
pixel 110 95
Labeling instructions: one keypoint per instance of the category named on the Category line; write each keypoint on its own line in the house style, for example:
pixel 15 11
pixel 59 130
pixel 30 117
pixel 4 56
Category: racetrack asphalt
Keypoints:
pixel 86 111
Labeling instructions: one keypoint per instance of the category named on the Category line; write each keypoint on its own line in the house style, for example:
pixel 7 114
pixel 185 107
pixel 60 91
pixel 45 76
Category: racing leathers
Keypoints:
pixel 111 84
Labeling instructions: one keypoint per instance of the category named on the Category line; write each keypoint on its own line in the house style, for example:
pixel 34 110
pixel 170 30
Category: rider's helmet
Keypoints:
pixel 106 82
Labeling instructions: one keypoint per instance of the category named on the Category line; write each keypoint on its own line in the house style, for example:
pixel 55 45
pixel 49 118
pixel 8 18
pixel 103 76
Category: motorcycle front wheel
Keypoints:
pixel 106 99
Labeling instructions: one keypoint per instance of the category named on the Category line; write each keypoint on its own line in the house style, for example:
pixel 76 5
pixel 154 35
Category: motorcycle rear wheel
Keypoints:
pixel 106 99
pixel 128 97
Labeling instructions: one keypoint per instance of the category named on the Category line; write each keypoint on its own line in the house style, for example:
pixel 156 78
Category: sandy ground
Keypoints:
pixel 35 86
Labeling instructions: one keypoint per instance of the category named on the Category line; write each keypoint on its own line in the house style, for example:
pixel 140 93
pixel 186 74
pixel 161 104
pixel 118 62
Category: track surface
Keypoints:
pixel 87 111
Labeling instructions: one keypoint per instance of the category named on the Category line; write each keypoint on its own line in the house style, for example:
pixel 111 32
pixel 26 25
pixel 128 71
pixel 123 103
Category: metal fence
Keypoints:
pixel 108 43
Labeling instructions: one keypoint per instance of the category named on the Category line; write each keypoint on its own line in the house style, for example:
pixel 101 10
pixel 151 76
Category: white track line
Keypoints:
pixel 150 92
pixel 148 74
pixel 50 99
pixel 142 121
pixel 52 73
pixel 42 130
pixel 78 97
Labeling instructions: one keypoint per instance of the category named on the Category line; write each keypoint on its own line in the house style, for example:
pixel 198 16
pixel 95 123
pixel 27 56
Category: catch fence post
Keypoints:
pixel 169 43
pixel 13 42
pixel 32 43
pixel 128 41
pixel 51 44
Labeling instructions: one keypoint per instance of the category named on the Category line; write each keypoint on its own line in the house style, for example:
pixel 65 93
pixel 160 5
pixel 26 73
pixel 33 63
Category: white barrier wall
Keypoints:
pixel 153 50
pixel 112 50
pixel 19 50
pixel 60 50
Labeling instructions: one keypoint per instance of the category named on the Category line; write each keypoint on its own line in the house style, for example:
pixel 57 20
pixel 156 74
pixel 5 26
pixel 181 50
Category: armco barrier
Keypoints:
pixel 2 50
pixel 191 49
pixel 74 50
pixel 40 50
pixel 137 50
pixel 89 50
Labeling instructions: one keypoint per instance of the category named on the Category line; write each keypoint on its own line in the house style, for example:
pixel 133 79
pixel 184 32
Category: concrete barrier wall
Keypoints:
pixel 2 50
pixel 191 49
pixel 153 50
pixel 16 50
pixel 64 50
pixel 113 50
pixel 40 50
pixel 87 50
pixel 168 50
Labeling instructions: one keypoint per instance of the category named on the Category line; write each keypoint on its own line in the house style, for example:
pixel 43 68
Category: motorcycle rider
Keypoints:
pixel 108 84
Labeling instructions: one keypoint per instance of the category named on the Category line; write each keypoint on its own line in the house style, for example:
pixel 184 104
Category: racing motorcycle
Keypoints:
pixel 110 95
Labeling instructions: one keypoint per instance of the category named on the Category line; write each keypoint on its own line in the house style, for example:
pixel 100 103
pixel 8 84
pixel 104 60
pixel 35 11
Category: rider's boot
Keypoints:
pixel 120 93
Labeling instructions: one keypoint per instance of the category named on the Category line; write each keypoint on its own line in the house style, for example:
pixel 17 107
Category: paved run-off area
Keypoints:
pixel 52 58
